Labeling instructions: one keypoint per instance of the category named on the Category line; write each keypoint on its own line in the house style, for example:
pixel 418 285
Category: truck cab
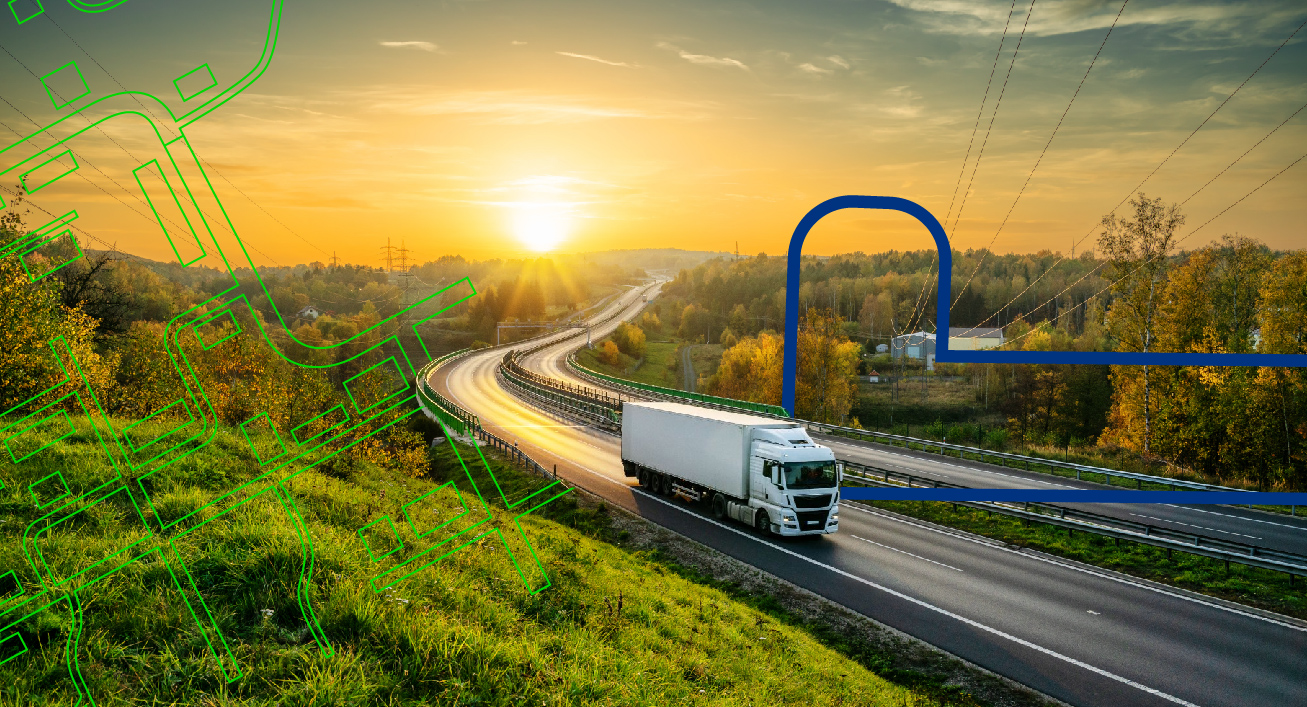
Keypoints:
pixel 763 471
pixel 793 484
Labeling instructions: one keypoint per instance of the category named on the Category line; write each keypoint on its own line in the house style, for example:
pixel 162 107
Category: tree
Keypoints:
pixel 1137 253
pixel 609 354
pixel 630 340
pixel 827 368
pixel 1283 307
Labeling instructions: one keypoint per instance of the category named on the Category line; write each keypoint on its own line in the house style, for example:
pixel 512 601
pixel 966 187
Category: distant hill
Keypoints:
pixel 673 259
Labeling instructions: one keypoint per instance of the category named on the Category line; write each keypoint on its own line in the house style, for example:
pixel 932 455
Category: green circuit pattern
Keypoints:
pixel 173 182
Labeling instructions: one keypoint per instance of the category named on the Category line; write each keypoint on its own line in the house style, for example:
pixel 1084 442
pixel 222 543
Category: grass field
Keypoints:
pixel 615 627
pixel 659 366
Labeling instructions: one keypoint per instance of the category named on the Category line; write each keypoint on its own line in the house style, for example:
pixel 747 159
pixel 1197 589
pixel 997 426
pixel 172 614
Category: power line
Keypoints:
pixel 1205 121
pixel 1163 162
pixel 979 155
pixel 1146 262
pixel 1043 152
pixel 165 124
pixel 993 116
pixel 981 111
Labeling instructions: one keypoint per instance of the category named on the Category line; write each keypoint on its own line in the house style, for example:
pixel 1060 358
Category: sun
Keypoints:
pixel 541 227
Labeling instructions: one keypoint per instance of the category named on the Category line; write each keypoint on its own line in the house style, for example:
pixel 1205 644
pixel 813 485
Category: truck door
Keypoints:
pixel 759 477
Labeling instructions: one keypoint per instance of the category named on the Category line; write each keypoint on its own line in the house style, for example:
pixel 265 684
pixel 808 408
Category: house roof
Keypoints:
pixel 981 332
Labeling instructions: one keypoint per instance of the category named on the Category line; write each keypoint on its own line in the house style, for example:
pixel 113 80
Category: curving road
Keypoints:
pixel 1085 636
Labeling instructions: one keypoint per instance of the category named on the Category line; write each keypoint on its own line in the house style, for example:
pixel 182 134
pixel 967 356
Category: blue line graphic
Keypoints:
pixel 942 352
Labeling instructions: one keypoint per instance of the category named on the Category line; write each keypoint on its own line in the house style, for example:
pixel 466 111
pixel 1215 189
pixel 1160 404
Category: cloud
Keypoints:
pixel 589 57
pixel 1056 17
pixel 838 61
pixel 703 59
pixel 517 43
pixel 424 46
pixel 523 108
pixel 811 69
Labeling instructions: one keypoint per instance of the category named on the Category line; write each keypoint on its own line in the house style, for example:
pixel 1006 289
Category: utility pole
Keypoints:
pixel 403 257
pixel 388 252
pixel 335 262
pixel 737 250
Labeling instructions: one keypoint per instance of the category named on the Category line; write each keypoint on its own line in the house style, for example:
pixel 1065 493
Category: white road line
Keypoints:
pixel 905 552
pixel 1085 570
pixel 926 605
pixel 1091 611
pixel 1190 525
pixel 1250 520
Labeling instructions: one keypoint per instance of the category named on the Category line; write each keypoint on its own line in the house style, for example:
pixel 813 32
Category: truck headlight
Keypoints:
pixel 787 517
pixel 834 518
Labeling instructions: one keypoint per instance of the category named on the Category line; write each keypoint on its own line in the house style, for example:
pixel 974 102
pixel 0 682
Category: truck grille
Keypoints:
pixel 812 520
pixel 812 501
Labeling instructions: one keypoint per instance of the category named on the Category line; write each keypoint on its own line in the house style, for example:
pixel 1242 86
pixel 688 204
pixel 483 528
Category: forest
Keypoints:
pixel 1138 292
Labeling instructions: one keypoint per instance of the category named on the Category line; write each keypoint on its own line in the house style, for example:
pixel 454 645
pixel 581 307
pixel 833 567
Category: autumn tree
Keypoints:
pixel 1137 252
pixel 827 367
pixel 629 340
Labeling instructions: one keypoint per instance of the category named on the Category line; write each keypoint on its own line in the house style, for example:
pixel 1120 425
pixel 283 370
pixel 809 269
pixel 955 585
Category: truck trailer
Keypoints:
pixel 758 470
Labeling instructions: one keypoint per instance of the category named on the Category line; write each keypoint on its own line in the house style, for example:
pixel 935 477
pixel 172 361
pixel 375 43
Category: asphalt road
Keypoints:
pixel 1084 636
pixel 1285 533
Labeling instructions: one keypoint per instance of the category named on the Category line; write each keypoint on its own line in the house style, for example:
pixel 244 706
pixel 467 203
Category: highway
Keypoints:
pixel 1229 523
pixel 1084 636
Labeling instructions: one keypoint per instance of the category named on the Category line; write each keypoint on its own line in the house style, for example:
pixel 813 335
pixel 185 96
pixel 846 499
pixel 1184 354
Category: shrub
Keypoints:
pixel 996 439
pixel 609 354
pixel 630 340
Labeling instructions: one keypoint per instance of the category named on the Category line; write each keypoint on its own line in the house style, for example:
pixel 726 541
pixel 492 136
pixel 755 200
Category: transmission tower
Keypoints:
pixel 388 253
pixel 403 257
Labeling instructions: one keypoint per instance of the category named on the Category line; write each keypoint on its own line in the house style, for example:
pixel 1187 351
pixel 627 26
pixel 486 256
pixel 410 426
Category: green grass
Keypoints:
pixel 659 366
pixel 1251 586
pixel 616 627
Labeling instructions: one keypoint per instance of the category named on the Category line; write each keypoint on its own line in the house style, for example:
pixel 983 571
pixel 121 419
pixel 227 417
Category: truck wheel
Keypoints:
pixel 667 485
pixel 718 506
pixel 643 477
pixel 762 523
pixel 656 482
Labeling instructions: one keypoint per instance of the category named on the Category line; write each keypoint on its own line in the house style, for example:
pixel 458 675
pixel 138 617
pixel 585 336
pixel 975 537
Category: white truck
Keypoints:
pixel 758 470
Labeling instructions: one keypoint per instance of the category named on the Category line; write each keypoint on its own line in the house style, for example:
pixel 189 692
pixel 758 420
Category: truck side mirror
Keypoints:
pixel 776 475
pixel 839 473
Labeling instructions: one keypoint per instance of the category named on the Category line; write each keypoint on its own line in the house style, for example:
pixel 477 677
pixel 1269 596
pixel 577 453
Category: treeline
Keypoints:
pixel 887 294
pixel 1231 424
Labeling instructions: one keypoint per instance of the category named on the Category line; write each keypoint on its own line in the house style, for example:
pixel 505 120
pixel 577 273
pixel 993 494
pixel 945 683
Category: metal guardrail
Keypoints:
pixel 658 392
pixel 456 419
pixel 583 394
pixel 958 450
pixel 1072 519
pixel 1075 519
pixel 576 404
pixel 988 454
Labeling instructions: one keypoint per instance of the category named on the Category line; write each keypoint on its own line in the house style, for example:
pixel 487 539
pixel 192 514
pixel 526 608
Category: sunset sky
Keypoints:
pixel 490 127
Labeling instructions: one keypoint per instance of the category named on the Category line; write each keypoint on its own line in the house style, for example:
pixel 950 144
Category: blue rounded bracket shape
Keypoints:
pixel 945 355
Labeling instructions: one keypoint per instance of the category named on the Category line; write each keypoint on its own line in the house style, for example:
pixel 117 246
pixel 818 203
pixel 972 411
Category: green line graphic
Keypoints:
pixel 139 458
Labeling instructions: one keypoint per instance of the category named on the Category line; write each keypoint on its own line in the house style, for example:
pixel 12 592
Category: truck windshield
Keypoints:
pixel 809 475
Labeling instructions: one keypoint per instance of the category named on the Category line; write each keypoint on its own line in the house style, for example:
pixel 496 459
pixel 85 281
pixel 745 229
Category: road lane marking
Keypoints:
pixel 927 605
pixel 1049 560
pixel 1250 520
pixel 1091 611
pixel 1190 525
pixel 905 552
